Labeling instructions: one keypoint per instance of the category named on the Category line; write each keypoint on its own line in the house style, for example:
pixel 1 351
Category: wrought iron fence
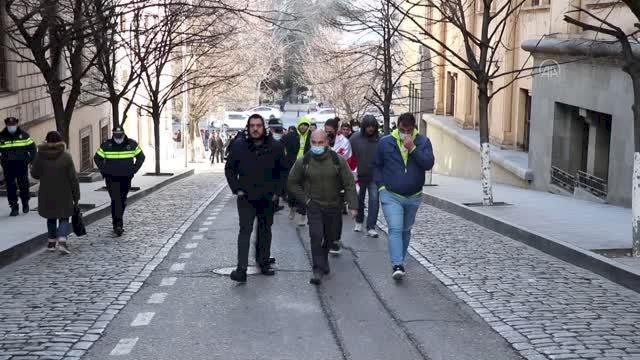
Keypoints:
pixel 592 184
pixel 563 179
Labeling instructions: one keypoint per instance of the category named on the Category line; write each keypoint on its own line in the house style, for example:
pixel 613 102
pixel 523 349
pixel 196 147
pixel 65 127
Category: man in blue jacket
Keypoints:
pixel 399 167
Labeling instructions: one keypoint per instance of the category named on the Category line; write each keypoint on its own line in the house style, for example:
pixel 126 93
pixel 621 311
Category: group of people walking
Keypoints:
pixel 118 160
pixel 317 172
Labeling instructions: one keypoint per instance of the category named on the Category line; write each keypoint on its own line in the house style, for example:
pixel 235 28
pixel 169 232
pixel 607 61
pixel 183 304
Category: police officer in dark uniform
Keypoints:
pixel 119 159
pixel 17 151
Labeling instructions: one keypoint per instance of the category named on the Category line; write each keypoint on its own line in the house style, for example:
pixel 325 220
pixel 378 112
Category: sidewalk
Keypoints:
pixel 565 227
pixel 25 234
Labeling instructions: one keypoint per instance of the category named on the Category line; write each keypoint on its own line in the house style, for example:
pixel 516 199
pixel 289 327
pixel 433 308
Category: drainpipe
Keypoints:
pixel 510 60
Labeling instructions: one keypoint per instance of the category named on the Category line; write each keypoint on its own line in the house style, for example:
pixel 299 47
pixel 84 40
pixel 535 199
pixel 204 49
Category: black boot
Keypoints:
pixel 25 207
pixel 267 270
pixel 316 278
pixel 118 230
pixel 14 210
pixel 239 275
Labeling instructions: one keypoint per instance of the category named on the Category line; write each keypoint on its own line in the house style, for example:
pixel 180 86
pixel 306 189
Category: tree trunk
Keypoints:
pixel 634 72
pixel 485 156
pixel 115 113
pixel 156 139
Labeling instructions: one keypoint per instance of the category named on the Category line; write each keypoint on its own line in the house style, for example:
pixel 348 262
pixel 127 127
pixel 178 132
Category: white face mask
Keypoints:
pixel 277 136
pixel 118 141
pixel 403 137
pixel 12 129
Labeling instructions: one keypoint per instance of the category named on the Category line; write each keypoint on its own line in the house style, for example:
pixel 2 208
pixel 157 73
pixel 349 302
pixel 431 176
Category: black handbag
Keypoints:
pixel 78 223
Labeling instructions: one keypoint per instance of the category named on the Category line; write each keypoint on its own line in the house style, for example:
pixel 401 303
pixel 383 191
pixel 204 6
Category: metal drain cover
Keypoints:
pixel 251 270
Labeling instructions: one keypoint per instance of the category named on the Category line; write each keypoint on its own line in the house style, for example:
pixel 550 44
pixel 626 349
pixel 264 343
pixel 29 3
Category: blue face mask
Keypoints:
pixel 12 129
pixel 318 150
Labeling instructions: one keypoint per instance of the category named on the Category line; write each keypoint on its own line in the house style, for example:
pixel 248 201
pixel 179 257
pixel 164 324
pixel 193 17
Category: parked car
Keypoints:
pixel 235 120
pixel 320 117
pixel 265 111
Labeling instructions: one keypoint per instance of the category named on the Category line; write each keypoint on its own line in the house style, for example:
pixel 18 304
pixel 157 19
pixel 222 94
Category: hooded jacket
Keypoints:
pixel 399 171
pixel 364 149
pixel 59 186
pixel 119 160
pixel 17 148
pixel 293 141
pixel 257 170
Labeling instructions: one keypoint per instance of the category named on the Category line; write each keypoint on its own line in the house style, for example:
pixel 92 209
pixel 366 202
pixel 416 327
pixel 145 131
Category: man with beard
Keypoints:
pixel 254 171
pixel 316 180
pixel 364 145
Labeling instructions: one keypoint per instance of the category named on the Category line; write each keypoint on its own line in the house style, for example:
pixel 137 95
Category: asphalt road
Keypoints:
pixel 186 310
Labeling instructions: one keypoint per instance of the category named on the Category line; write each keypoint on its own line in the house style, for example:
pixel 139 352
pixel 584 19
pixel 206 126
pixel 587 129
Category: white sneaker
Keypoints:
pixel 358 227
pixel 398 272
pixel 302 220
pixel 292 213
pixel 372 233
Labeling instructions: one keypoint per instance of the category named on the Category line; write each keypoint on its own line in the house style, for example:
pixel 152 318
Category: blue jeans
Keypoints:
pixel 58 228
pixel 373 205
pixel 400 213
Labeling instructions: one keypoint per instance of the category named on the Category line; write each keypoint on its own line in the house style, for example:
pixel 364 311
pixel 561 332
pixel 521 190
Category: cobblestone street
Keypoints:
pixel 497 296
pixel 55 306
pixel 544 307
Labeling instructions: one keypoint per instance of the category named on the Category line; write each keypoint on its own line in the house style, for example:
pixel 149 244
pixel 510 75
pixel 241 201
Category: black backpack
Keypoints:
pixel 336 164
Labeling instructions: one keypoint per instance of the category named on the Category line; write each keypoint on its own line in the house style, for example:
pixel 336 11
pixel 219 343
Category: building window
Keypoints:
pixel 536 3
pixel 86 151
pixel 526 119
pixel 451 98
pixel 104 130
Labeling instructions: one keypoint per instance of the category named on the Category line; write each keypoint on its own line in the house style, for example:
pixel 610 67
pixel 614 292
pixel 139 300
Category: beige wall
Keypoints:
pixel 453 158
pixel 507 109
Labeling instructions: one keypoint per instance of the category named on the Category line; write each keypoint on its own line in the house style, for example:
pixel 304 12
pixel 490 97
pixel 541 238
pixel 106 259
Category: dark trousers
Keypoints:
pixel 17 177
pixel 248 211
pixel 325 226
pixel 219 156
pixel 118 188
pixel 58 228
pixel 373 205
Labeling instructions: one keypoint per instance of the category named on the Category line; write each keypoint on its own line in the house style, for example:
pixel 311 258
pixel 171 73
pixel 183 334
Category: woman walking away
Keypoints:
pixel 59 192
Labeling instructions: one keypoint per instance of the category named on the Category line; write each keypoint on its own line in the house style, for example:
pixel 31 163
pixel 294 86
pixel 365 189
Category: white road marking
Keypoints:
pixel 177 267
pixel 168 281
pixel 203 229
pixel 157 298
pixel 124 347
pixel 207 223
pixel 211 218
pixel 186 255
pixel 191 246
pixel 197 237
pixel 143 319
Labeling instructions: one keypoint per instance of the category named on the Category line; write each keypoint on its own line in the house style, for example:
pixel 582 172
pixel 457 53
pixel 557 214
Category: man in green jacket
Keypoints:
pixel 316 180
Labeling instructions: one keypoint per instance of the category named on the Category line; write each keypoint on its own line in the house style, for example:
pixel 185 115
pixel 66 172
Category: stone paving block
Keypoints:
pixel 50 302
pixel 557 308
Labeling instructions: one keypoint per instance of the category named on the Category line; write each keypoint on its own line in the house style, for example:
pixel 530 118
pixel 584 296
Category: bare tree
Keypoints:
pixel 379 24
pixel 53 36
pixel 170 26
pixel 628 44
pixel 116 75
pixel 340 74
pixel 480 56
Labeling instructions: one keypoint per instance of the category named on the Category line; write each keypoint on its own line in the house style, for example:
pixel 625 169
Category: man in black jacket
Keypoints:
pixel 254 171
pixel 17 151
pixel 119 159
